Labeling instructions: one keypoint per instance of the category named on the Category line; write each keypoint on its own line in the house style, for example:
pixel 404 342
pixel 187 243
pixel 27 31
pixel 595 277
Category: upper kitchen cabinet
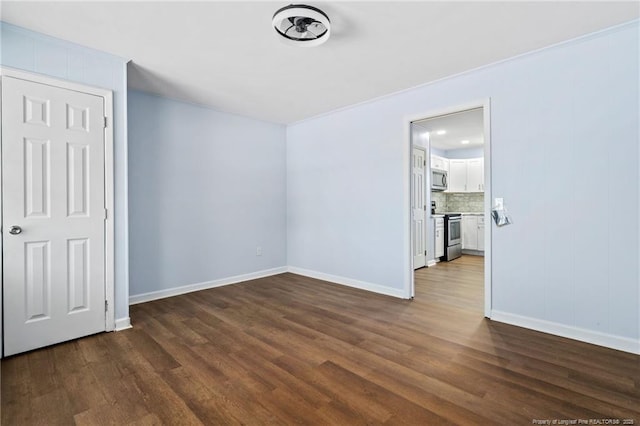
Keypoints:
pixel 466 175
pixel 457 176
pixel 475 175
pixel 439 163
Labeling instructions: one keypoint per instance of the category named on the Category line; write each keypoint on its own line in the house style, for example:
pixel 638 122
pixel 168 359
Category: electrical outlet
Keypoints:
pixel 258 251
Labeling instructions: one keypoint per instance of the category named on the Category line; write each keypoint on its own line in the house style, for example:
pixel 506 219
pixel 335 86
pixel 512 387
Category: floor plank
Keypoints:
pixel 294 350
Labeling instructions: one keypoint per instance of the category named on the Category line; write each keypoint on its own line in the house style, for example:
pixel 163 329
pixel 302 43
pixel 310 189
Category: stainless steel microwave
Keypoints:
pixel 438 180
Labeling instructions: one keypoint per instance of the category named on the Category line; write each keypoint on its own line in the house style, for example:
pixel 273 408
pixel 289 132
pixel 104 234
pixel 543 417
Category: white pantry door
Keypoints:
pixel 418 208
pixel 53 207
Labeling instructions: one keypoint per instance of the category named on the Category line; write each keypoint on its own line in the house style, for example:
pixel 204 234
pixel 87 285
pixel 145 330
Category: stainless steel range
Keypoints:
pixel 452 236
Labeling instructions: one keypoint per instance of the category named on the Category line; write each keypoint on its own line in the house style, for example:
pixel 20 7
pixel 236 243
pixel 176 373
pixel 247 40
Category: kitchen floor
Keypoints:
pixel 459 283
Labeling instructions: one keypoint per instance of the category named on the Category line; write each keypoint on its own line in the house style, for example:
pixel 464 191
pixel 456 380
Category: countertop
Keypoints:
pixel 462 213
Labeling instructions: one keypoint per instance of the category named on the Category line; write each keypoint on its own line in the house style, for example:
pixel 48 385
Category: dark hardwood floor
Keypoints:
pixel 294 350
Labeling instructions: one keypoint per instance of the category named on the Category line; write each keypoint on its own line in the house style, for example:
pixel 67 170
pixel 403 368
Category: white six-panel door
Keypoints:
pixel 53 210
pixel 418 207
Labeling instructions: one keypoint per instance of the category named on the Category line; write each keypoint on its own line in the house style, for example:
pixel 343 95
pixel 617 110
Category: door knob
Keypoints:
pixel 15 230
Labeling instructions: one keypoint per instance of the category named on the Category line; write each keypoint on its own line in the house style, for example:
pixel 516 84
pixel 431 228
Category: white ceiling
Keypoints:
pixel 226 54
pixel 466 125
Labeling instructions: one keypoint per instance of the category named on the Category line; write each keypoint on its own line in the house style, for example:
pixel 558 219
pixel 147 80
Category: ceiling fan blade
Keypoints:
pixel 312 31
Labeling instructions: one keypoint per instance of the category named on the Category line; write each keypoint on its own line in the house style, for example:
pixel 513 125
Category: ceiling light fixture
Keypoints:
pixel 302 25
pixel 464 142
pixel 441 132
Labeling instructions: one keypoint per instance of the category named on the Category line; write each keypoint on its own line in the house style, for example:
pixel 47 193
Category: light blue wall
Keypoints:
pixel 206 188
pixel 566 259
pixel 439 152
pixel 345 194
pixel 39 53
pixel 461 154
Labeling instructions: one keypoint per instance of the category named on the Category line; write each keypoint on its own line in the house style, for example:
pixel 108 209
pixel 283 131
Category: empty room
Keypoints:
pixel 332 213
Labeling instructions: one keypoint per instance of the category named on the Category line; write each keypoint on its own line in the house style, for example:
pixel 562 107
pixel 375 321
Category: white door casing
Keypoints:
pixel 419 206
pixel 407 163
pixel 53 175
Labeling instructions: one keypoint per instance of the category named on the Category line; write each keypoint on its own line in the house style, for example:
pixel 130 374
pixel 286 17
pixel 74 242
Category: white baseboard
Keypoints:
pixel 431 263
pixel 473 252
pixel 349 282
pixel 620 343
pixel 175 291
pixel 123 324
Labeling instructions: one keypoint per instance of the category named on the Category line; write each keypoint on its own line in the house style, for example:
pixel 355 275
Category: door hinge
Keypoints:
pixel 105 122
pixel 424 163
pixel 105 214
pixel 106 305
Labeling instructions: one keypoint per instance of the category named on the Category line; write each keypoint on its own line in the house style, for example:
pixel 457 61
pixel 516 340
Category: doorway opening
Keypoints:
pixel 450 197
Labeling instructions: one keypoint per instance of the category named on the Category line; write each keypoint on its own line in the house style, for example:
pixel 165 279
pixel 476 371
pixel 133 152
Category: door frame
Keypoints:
pixel 109 261
pixel 485 104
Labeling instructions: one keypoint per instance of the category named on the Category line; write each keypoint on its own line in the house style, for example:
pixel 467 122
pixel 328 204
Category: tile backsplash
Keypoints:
pixel 472 202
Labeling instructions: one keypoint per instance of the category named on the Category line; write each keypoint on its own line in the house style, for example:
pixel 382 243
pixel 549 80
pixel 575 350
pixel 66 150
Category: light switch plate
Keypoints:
pixel 499 204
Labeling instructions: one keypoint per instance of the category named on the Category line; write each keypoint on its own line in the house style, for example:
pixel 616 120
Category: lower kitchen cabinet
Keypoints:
pixel 473 232
pixel 439 233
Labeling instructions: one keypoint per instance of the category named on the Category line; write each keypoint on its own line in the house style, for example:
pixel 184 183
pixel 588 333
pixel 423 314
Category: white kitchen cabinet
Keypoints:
pixel 473 232
pixel 439 233
pixel 466 175
pixel 439 163
pixel 457 176
pixel 469 232
pixel 475 175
